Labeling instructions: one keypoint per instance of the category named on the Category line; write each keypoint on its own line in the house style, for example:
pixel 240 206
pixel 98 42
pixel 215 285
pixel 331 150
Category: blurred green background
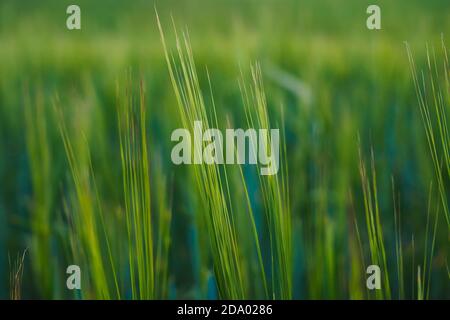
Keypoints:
pixel 336 80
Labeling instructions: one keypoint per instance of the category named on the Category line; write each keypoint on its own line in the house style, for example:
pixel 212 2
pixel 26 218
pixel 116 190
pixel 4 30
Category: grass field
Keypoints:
pixel 86 175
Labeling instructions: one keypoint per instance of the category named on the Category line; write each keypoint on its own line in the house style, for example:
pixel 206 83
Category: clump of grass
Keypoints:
pixel 145 265
pixel 432 91
pixel 88 233
pixel 16 274
pixel 373 224
pixel 424 273
pixel 136 190
pixel 213 186
pixel 274 190
pixel 92 244
pixel 40 163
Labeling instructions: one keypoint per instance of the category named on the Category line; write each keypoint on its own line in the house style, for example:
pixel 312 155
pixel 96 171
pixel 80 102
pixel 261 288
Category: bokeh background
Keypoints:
pixel 344 90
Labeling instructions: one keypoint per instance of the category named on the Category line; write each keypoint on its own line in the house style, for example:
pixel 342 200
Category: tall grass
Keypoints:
pixel 86 215
pixel 97 238
pixel 16 274
pixel 41 204
pixel 274 190
pixel 432 89
pixel 421 278
pixel 146 266
pixel 424 272
pixel 212 183
pixel 374 225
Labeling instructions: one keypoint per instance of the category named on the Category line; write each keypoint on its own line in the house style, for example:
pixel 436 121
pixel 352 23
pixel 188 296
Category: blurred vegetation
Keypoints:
pixel 363 186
